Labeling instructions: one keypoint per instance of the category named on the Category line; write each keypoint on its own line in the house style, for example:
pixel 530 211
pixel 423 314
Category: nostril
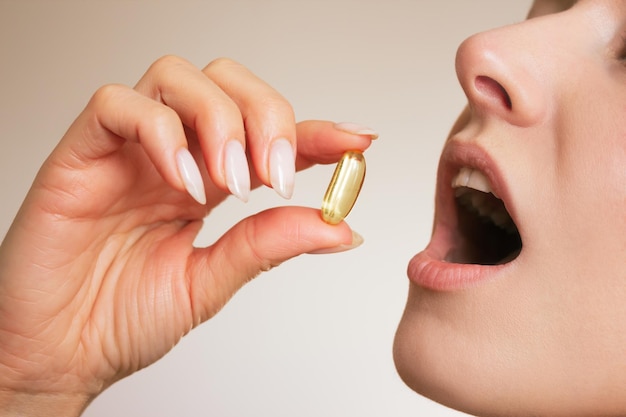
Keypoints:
pixel 492 89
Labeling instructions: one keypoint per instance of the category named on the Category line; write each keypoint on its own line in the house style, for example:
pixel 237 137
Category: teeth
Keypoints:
pixel 472 178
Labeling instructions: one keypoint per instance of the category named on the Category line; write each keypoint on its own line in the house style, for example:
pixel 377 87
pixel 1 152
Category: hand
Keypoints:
pixel 98 273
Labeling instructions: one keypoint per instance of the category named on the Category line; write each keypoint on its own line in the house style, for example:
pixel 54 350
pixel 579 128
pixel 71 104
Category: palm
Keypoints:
pixel 121 242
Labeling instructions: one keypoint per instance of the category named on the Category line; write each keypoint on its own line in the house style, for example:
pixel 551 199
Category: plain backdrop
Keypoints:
pixel 313 337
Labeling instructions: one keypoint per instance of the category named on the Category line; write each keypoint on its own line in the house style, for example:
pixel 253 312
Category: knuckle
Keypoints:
pixel 222 63
pixel 158 118
pixel 275 104
pixel 163 72
pixel 166 62
pixel 106 94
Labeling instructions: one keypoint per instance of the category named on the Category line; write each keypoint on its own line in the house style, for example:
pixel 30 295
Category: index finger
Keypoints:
pixel 324 142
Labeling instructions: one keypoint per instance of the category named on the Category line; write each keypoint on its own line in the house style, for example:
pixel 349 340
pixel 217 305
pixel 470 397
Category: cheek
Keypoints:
pixel 588 230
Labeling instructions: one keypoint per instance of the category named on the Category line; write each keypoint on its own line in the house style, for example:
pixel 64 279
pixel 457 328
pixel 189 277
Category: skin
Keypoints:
pixel 545 334
pixel 103 243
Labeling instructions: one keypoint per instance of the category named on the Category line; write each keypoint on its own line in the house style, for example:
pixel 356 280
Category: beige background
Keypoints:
pixel 313 337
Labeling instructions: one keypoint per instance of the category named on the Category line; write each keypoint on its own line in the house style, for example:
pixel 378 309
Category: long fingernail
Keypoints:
pixel 237 170
pixel 190 174
pixel 282 167
pixel 357 240
pixel 356 129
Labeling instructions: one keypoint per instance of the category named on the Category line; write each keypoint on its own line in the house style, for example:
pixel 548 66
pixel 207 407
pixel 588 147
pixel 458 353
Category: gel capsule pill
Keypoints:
pixel 344 187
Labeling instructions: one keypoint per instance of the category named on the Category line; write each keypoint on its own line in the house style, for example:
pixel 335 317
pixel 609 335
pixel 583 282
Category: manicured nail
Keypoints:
pixel 356 129
pixel 190 174
pixel 357 240
pixel 237 170
pixel 282 167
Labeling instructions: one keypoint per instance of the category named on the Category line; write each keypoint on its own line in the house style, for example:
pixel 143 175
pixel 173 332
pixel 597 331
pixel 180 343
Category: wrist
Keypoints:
pixel 35 404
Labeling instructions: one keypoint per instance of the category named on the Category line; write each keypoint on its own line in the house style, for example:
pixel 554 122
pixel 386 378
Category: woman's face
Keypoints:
pixel 518 304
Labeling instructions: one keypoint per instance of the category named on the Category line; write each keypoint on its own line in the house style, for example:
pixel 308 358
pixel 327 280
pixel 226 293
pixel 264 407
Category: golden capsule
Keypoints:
pixel 344 187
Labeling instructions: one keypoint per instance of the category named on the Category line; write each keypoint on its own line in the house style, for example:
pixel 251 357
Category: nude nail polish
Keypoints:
pixel 357 240
pixel 190 174
pixel 236 170
pixel 282 167
pixel 356 129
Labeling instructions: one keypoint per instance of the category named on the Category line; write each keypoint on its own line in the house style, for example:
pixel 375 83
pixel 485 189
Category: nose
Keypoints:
pixel 500 75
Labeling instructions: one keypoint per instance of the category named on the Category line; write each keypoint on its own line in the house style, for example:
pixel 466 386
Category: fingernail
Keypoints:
pixel 190 174
pixel 282 167
pixel 356 129
pixel 237 170
pixel 357 240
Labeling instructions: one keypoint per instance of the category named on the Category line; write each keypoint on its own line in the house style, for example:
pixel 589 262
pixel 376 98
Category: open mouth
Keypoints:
pixel 486 233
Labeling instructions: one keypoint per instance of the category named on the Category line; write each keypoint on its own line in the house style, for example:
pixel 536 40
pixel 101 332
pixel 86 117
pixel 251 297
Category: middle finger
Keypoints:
pixel 269 123
pixel 205 108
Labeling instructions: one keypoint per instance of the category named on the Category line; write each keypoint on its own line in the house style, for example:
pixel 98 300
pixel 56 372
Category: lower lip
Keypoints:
pixel 430 272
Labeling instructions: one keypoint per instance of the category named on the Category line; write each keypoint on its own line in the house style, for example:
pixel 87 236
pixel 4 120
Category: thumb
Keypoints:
pixel 257 244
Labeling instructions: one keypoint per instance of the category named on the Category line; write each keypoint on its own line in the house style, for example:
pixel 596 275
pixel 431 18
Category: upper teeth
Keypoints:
pixel 468 179
pixel 471 178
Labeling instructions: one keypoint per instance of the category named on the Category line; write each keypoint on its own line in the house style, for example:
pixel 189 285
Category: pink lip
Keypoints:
pixel 429 269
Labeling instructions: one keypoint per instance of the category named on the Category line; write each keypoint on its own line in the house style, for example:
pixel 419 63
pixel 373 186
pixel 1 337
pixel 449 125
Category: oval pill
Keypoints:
pixel 344 187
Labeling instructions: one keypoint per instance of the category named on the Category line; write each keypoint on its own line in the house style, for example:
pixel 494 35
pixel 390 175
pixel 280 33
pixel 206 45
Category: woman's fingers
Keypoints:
pixel 257 244
pixel 323 142
pixel 116 115
pixel 232 114
pixel 269 123
pixel 206 109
